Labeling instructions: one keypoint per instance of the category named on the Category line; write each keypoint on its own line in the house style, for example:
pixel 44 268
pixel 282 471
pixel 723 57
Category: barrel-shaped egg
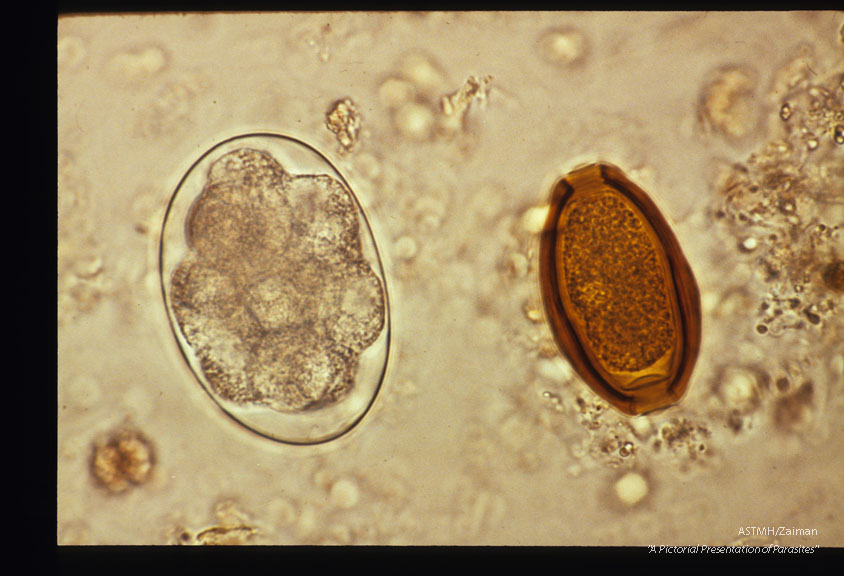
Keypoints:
pixel 619 296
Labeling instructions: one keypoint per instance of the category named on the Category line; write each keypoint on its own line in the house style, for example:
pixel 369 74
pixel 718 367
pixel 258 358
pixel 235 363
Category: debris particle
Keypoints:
pixel 833 275
pixel 124 459
pixel 225 535
pixel 344 121
pixel 455 106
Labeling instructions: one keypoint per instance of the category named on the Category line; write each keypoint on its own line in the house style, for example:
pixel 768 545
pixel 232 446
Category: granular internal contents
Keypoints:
pixel 276 291
pixel 122 460
pixel 623 301
pixel 619 295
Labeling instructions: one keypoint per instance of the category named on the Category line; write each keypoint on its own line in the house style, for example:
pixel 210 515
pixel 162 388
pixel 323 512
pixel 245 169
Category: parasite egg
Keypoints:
pixel 275 290
pixel 619 296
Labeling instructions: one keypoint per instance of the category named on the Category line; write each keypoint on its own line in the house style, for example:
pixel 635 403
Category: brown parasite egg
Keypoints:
pixel 619 296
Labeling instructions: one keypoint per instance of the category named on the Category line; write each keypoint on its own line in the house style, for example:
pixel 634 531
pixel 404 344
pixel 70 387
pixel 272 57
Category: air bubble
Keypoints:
pixel 749 244
pixel 533 219
pixel 631 488
pixel 532 313
pixel 275 290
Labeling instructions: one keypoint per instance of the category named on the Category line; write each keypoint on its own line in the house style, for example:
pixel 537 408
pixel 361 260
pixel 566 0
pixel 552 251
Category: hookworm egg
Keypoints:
pixel 275 290
pixel 619 295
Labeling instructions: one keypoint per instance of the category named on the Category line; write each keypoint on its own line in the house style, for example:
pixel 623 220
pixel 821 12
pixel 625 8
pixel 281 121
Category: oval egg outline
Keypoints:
pixel 685 295
pixel 370 250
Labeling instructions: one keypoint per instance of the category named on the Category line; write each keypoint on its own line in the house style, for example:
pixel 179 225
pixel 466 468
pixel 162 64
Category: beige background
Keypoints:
pixel 477 436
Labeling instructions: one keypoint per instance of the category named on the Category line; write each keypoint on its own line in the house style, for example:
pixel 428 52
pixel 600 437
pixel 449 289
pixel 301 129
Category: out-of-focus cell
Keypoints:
pixel 727 104
pixel 423 72
pixel 345 493
pixel 275 289
pixel 84 392
pixel 793 412
pixel 414 121
pixel 281 511
pixel 343 119
pixel 562 47
pixel 70 51
pixel 74 533
pixel 123 459
pixel 83 280
pixel 739 388
pixel 619 296
pixel 172 107
pixel 796 73
pixel 394 92
pixel 405 248
pixel 137 65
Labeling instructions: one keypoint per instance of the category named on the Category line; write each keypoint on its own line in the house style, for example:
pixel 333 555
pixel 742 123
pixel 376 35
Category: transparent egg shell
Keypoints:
pixel 275 290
